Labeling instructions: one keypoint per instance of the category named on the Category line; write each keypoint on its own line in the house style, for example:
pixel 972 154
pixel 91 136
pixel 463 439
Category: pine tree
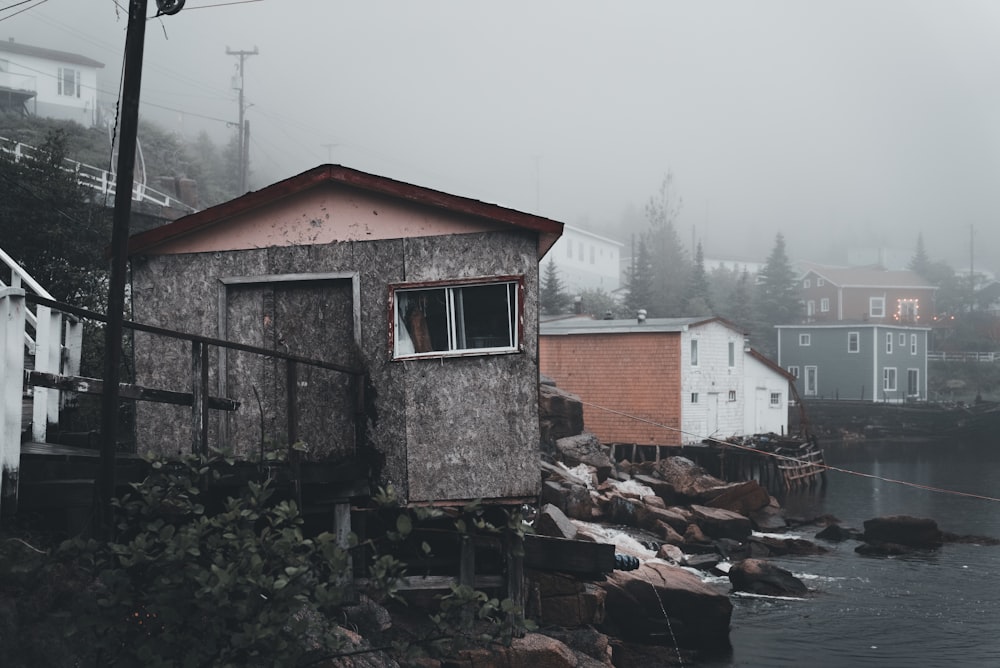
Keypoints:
pixel 920 263
pixel 668 258
pixel 777 297
pixel 552 298
pixel 638 279
pixel 699 297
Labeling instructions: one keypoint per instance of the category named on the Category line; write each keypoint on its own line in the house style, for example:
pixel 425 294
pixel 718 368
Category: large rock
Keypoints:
pixel 760 577
pixel 585 449
pixel 689 482
pixel 534 650
pixel 553 522
pixel 573 500
pixel 719 523
pixel 560 414
pixel 903 530
pixel 639 602
pixel 741 497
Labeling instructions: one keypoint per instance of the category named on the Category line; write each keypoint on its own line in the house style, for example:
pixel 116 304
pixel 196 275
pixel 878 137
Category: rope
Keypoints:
pixel 823 466
pixel 670 627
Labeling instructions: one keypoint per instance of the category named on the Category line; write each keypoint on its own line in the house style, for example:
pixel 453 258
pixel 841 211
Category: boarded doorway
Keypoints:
pixel 314 318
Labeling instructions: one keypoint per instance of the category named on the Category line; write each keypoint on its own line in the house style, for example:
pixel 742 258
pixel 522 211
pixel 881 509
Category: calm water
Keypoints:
pixel 936 609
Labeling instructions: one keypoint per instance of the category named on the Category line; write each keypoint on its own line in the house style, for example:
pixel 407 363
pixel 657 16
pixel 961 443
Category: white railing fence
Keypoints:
pixel 963 357
pixel 96 178
pixel 53 341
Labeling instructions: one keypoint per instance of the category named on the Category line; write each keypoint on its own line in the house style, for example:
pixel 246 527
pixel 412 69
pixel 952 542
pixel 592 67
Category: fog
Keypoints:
pixel 836 122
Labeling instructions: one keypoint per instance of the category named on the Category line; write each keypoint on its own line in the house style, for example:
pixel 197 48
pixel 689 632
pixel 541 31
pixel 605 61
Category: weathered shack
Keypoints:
pixel 433 295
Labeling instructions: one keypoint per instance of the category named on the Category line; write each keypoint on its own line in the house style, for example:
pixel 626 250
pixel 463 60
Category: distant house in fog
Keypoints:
pixel 869 294
pixel 36 81
pixel 587 261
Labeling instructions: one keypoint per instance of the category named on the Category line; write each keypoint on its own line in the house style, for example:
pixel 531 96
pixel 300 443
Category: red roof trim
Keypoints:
pixel 549 230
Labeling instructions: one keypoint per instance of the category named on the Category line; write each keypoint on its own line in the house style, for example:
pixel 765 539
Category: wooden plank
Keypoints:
pixel 579 557
pixel 12 317
pixel 127 391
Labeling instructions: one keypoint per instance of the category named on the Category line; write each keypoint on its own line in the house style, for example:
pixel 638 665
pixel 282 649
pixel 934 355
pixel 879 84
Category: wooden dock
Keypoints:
pixel 781 464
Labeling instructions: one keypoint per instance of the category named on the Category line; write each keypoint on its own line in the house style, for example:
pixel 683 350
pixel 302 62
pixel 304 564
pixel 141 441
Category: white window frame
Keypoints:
pixel 915 375
pixel 694 397
pixel 793 371
pixel 820 282
pixel 811 381
pixel 775 400
pixel 913 344
pixel 68 82
pixel 732 395
pixel 888 379
pixel 824 305
pixel 694 352
pixel 810 308
pixel 876 307
pixel 450 318
pixel 854 342
pixel 888 343
pixel 805 340
pixel 806 284
pixel 732 354
pixel 902 340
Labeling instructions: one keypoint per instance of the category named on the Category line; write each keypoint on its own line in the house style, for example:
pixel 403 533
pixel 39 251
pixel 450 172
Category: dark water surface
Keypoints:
pixel 940 608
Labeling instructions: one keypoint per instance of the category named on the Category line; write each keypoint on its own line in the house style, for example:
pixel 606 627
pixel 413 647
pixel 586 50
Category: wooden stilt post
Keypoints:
pixel 11 394
pixel 514 555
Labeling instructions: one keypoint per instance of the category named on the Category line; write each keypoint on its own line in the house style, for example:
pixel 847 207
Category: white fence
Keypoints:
pixel 963 357
pixel 96 178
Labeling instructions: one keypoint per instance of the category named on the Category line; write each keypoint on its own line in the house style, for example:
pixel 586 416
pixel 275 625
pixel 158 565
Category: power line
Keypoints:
pixel 19 11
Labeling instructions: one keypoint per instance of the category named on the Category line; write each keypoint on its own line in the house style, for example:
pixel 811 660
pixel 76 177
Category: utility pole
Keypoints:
pixel 243 128
pixel 135 38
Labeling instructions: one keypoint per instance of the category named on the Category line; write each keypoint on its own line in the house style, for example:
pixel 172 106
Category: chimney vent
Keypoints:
pixel 641 316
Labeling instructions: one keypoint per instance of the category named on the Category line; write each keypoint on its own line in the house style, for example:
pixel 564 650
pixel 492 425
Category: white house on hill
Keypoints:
pixel 587 261
pixel 36 81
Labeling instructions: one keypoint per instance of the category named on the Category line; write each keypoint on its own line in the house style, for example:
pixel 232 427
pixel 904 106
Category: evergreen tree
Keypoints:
pixel 552 298
pixel 920 263
pixel 667 256
pixel 599 304
pixel 738 304
pixel 699 297
pixel 638 279
pixel 777 297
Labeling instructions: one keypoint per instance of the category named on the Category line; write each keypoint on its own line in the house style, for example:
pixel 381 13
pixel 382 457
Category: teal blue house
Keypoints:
pixel 859 361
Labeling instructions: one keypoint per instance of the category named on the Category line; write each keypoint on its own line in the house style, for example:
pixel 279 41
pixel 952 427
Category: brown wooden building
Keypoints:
pixel 433 295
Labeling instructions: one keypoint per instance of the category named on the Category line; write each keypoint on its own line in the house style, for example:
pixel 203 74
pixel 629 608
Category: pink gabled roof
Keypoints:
pixel 548 230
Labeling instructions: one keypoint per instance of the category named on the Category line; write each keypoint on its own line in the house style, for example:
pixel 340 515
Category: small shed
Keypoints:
pixel 433 295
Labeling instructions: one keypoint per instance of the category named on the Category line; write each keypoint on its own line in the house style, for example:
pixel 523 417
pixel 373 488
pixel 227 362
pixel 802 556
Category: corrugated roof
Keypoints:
pixel 570 326
pixel 548 230
pixel 10 46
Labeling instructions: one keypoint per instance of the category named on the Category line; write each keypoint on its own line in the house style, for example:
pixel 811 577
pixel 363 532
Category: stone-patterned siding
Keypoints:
pixel 635 375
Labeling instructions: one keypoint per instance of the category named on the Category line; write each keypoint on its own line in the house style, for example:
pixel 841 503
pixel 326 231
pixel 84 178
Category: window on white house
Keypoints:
pixel 456 318
pixel 876 307
pixel 69 82
pixel 694 397
pixel 805 339
pixel 776 398
pixel 889 379
pixel 913 344
pixel 732 395
pixel 732 354
pixel 694 352
pixel 824 304
pixel 888 343
pixel 853 342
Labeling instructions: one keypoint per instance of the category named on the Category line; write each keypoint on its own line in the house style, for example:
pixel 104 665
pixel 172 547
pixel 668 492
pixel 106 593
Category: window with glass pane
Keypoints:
pixel 479 318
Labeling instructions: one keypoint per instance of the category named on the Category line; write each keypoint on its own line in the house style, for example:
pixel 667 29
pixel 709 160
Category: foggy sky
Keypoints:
pixel 834 122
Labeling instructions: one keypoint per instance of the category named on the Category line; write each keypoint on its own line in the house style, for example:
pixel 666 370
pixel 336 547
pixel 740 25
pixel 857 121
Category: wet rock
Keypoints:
pixel 701 562
pixel 778 547
pixel 719 523
pixel 636 602
pixel 561 600
pixel 667 533
pixel 553 522
pixel 574 500
pixel 670 553
pixel 838 534
pixel 741 497
pixel 585 449
pixel 660 487
pixel 534 650
pixel 760 577
pixel 560 414
pixel 903 530
pixel 769 518
pixel 585 642
pixel 688 481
